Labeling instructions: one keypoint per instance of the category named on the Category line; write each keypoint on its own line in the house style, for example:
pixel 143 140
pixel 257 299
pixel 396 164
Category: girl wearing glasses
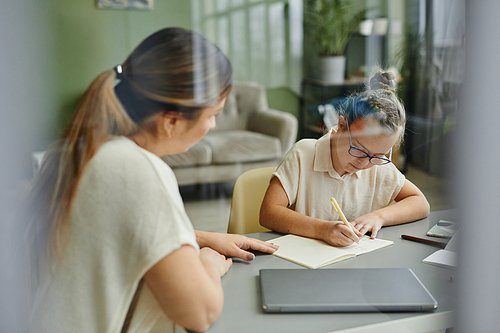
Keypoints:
pixel 352 164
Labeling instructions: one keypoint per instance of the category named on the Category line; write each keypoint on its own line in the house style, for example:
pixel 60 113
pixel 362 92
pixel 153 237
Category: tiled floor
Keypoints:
pixel 209 206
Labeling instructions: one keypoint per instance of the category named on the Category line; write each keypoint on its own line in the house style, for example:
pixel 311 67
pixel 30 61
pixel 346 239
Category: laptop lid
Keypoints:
pixel 343 290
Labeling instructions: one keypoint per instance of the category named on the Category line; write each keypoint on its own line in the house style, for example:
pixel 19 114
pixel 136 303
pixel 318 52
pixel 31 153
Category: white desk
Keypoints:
pixel 242 310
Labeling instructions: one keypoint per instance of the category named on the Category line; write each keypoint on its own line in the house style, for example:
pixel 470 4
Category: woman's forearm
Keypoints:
pixel 187 286
pixel 203 238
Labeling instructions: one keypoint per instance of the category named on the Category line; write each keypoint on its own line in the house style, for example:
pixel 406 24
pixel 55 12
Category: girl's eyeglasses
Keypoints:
pixel 359 153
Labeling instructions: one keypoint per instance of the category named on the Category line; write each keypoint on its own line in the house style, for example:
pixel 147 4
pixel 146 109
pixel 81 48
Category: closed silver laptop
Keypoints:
pixel 343 290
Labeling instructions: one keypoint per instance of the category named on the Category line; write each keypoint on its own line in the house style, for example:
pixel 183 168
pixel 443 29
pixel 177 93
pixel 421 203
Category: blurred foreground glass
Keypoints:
pixel 476 177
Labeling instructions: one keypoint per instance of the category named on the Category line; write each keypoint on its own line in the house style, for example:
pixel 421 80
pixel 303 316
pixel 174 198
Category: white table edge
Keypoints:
pixel 418 324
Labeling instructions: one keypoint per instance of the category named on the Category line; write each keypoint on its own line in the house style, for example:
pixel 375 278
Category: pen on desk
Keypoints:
pixel 424 241
pixel 339 211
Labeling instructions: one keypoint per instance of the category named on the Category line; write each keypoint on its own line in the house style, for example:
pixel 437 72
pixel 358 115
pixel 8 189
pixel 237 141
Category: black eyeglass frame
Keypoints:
pixel 351 147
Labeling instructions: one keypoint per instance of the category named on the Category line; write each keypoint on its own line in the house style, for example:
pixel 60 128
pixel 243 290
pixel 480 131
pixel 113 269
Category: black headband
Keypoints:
pixel 140 107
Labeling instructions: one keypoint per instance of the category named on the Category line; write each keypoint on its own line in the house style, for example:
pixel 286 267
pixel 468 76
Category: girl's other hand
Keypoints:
pixel 367 223
pixel 338 234
pixel 215 260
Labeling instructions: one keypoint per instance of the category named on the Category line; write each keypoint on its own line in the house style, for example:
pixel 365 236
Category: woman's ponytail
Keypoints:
pixel 98 116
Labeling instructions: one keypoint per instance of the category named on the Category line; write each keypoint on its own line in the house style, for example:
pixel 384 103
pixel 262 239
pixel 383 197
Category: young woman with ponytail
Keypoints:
pixel 106 213
pixel 351 163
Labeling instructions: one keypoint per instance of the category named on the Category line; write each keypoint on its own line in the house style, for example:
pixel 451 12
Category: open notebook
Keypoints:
pixel 313 253
pixel 447 258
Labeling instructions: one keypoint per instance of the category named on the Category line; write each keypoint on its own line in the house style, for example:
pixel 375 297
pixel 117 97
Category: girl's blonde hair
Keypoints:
pixel 379 102
pixel 172 70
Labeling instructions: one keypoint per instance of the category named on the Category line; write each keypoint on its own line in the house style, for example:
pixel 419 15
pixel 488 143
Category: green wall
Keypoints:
pixel 89 41
pixel 53 49
pixel 284 99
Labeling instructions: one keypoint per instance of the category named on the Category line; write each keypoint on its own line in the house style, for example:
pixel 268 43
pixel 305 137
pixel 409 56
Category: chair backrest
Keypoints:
pixel 248 193
pixel 245 99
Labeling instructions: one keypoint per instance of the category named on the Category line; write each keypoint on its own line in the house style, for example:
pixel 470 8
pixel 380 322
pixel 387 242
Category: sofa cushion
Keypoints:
pixel 199 154
pixel 244 100
pixel 242 146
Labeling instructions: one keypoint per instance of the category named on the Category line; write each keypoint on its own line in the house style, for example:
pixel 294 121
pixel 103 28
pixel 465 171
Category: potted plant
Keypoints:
pixel 330 24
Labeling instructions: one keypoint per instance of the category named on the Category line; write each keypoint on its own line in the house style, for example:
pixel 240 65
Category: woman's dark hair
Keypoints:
pixel 172 70
pixel 378 102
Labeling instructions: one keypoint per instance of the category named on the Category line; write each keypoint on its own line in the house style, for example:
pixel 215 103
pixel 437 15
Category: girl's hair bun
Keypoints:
pixel 383 80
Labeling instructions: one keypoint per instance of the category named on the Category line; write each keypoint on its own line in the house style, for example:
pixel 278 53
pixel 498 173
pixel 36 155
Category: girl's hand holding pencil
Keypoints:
pixel 346 230
pixel 336 233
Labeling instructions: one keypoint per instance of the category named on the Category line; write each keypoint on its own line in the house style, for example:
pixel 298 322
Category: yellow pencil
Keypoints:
pixel 339 211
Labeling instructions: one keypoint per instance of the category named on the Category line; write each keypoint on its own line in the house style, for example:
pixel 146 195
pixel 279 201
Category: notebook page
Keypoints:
pixel 367 245
pixel 313 253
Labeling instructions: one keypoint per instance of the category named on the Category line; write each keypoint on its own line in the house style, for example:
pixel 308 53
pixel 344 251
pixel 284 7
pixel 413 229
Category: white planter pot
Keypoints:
pixel 332 69
pixel 366 27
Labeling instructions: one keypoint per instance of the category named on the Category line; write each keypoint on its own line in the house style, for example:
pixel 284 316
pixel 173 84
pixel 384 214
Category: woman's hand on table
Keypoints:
pixel 216 260
pixel 232 245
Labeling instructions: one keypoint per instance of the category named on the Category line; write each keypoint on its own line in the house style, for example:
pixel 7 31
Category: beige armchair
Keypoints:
pixel 248 135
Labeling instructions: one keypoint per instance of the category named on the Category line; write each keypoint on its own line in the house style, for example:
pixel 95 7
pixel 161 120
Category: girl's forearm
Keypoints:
pixel 409 209
pixel 287 221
